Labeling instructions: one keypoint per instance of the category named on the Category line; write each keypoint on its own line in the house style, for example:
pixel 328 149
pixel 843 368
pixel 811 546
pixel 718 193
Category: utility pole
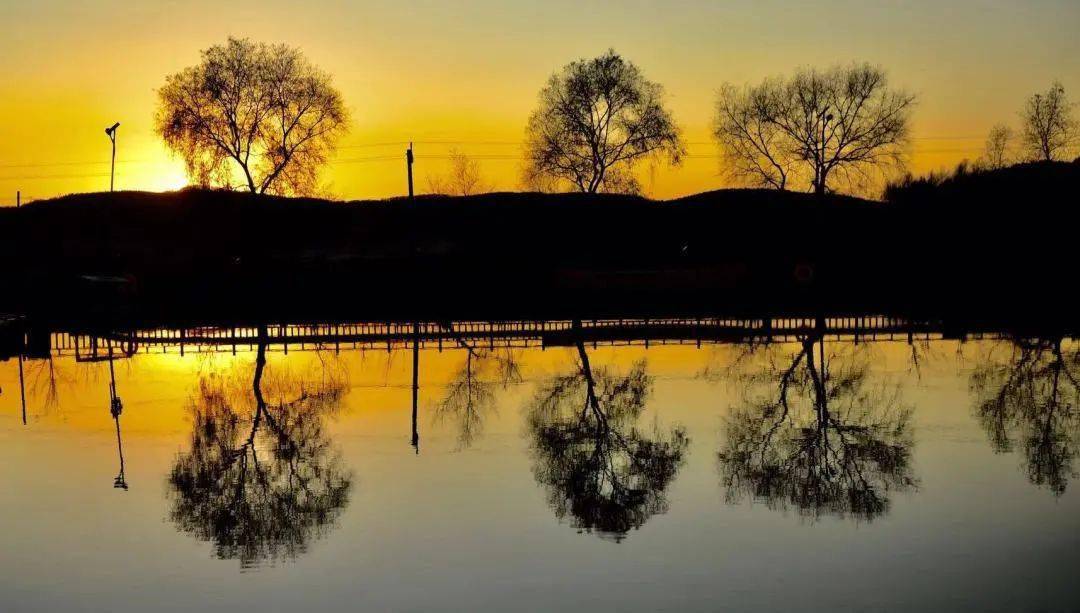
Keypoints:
pixel 111 133
pixel 416 325
pixel 18 199
pixel 409 163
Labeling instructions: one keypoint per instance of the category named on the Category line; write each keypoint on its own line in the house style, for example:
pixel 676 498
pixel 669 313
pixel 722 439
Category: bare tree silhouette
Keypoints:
pixel 47 377
pixel 1049 128
pixel 257 111
pixel 598 468
pixel 260 480
pixel 1030 397
pixel 998 144
pixel 819 439
pixel 843 124
pixel 464 177
pixel 470 396
pixel 597 118
pixel 753 147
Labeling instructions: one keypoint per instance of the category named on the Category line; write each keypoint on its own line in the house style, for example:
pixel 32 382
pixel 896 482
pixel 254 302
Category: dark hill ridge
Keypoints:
pixel 177 213
pixel 112 232
pixel 230 252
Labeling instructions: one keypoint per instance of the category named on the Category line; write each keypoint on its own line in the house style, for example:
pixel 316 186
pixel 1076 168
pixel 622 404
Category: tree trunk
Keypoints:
pixel 819 184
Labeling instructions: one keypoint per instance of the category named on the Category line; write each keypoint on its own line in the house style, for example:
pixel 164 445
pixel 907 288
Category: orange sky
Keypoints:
pixel 466 74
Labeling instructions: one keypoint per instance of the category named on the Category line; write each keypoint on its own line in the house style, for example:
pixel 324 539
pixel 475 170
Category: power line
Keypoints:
pixel 67 176
pixel 94 163
pixel 513 157
pixel 435 142
pixel 433 156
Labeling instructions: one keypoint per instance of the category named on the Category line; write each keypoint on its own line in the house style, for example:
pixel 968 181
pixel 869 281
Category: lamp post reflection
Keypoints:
pixel 116 407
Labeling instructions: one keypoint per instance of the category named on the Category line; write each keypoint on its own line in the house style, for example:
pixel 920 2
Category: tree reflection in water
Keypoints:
pixel 470 396
pixel 1028 396
pixel 818 438
pixel 598 468
pixel 261 480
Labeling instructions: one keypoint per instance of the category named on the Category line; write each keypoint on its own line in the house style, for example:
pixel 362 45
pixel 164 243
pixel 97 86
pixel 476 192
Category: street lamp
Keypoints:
pixel 826 117
pixel 111 133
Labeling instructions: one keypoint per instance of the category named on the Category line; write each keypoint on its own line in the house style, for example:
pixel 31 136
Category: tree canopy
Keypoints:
pixel 463 178
pixel 1049 129
pixel 997 153
pixel 252 116
pixel 814 129
pixel 595 120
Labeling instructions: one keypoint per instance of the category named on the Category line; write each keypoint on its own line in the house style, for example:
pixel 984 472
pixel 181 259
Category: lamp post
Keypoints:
pixel 111 133
pixel 826 117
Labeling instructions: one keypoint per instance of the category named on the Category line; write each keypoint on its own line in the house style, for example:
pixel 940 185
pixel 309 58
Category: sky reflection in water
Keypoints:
pixel 835 475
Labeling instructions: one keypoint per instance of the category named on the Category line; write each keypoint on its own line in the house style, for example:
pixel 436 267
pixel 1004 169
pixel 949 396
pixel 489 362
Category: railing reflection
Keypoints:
pixel 515 334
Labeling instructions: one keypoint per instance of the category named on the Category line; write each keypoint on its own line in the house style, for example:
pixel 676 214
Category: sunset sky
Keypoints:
pixel 465 74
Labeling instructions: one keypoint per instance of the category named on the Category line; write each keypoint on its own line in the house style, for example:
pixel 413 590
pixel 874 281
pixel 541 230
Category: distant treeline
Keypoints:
pixel 1015 190
pixel 261 118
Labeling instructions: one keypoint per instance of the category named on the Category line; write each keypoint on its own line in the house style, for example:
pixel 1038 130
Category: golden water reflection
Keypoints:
pixel 818 433
pixel 272 454
pixel 260 478
pixel 600 469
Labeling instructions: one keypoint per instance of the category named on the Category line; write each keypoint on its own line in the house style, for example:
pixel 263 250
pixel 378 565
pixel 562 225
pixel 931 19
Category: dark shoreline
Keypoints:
pixel 997 244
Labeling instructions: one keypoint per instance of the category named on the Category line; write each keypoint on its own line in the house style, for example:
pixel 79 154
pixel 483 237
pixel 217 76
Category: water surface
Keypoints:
pixel 801 473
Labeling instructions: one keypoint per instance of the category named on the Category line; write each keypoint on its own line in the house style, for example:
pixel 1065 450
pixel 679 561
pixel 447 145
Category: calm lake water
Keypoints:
pixel 796 475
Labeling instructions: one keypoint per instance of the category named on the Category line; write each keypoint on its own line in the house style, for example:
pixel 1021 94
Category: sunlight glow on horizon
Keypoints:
pixel 466 76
